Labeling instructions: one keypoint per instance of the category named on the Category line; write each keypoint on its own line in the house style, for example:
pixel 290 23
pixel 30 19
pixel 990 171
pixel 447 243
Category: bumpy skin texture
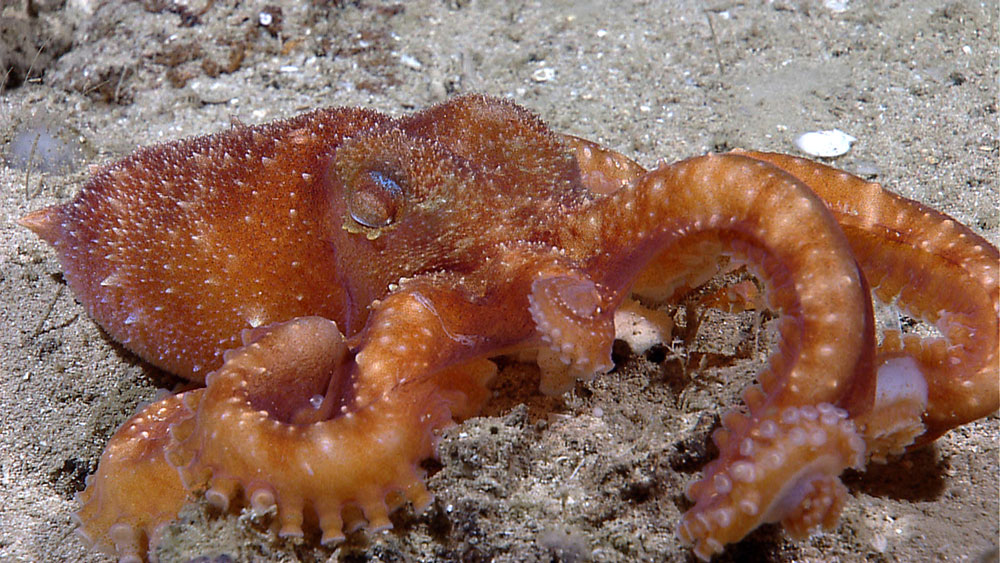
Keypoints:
pixel 343 277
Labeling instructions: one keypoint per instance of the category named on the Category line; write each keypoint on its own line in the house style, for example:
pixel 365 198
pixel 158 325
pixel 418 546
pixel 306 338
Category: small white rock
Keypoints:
pixel 543 74
pixel 825 144
pixel 410 61
pixel 836 6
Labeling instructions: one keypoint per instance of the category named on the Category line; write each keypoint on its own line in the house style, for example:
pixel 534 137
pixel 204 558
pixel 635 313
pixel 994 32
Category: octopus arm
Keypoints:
pixel 576 324
pixel 532 298
pixel 297 421
pixel 779 460
pixel 753 212
pixel 135 491
pixel 937 270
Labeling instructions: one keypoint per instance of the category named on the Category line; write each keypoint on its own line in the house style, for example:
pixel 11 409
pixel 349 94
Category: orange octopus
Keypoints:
pixel 339 280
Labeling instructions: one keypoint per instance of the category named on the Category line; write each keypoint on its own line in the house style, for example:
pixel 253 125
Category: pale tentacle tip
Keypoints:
pixel 332 525
pixel 379 524
pixel 290 530
pixel 262 501
pixel 218 499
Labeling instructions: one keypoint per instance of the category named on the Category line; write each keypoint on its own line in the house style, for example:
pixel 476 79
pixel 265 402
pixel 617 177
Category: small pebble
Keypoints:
pixel 836 6
pixel 543 74
pixel 825 144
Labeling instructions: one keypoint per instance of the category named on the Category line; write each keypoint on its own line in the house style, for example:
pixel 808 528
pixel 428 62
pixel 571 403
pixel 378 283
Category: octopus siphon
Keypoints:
pixel 339 281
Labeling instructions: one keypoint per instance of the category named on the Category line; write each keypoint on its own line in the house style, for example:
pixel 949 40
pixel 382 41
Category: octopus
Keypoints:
pixel 339 282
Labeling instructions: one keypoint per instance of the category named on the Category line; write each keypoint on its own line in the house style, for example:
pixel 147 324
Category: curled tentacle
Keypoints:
pixel 935 269
pixel 756 213
pixel 784 470
pixel 256 430
pixel 134 492
pixel 576 324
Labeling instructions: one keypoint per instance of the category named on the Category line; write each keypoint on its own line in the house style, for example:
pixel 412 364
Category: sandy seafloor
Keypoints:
pixel 596 474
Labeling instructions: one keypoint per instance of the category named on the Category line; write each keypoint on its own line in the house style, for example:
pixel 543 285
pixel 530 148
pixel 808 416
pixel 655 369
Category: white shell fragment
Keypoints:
pixel 543 74
pixel 836 6
pixel 825 144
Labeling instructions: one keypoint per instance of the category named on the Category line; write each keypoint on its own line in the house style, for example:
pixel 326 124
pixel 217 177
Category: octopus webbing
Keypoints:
pixel 340 280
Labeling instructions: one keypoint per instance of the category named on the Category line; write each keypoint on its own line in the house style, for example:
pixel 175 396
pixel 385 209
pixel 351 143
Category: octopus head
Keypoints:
pixel 401 198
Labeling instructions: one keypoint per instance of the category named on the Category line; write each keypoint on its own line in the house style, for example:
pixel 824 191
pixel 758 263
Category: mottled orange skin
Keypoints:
pixel 343 277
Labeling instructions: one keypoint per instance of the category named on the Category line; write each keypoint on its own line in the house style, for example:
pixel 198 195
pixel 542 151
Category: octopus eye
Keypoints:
pixel 374 199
